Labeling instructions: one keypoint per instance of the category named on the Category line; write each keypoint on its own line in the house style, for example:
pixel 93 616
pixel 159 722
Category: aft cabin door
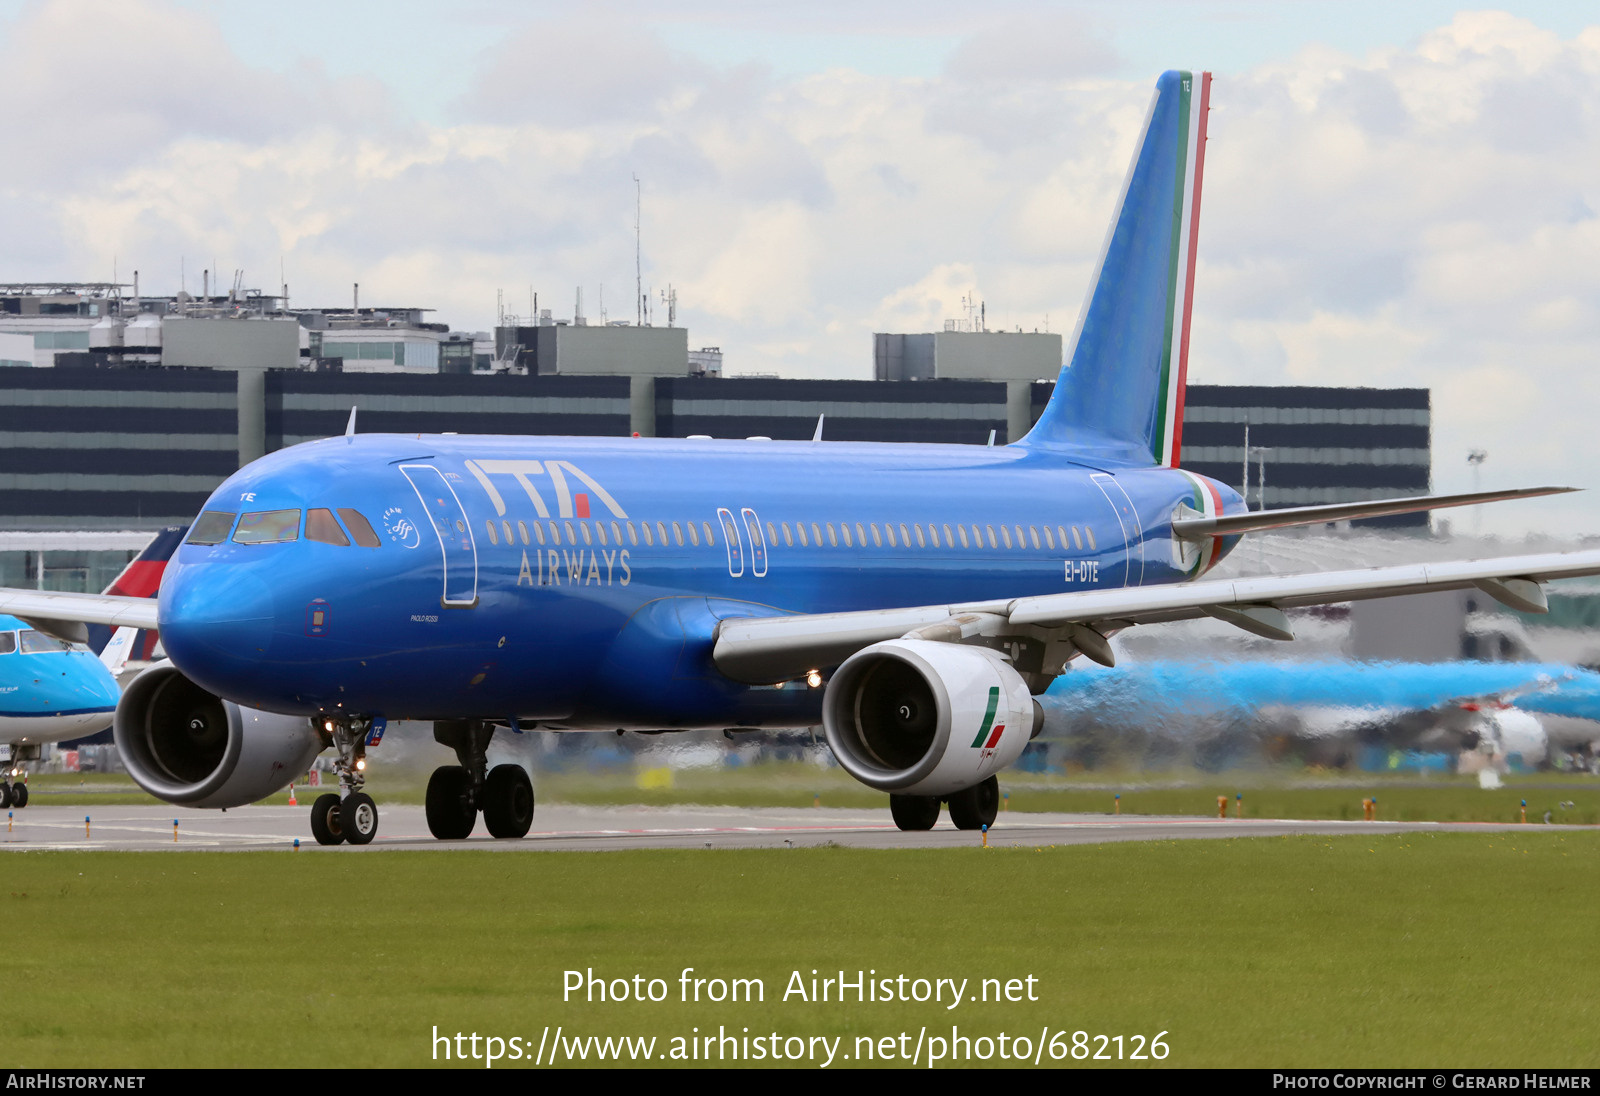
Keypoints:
pixel 449 519
pixel 1127 519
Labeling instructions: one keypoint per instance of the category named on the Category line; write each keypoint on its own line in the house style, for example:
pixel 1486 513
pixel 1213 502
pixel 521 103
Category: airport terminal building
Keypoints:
pixel 107 442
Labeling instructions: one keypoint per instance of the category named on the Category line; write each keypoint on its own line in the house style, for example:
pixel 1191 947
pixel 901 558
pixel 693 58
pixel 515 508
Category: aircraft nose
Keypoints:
pixel 215 618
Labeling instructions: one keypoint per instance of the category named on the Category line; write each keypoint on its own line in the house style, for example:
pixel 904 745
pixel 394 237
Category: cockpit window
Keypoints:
pixel 34 643
pixel 268 527
pixel 359 528
pixel 320 526
pixel 211 527
pixel 8 642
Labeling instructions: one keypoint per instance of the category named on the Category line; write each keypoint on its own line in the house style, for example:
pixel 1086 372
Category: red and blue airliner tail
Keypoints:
pixel 141 578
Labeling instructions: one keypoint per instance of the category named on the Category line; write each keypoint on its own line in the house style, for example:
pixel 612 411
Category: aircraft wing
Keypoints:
pixel 64 615
pixel 766 649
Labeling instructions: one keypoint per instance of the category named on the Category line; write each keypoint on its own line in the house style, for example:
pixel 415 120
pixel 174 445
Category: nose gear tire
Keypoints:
pixel 325 820
pixel 358 818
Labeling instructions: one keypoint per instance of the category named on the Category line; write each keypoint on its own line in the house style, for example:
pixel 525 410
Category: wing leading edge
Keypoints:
pixel 767 649
pixel 65 615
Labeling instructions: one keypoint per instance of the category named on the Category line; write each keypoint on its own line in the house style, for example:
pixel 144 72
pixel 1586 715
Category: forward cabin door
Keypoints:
pixel 449 518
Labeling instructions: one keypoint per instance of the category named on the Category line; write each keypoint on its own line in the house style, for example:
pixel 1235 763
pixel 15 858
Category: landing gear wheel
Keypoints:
pixel 449 817
pixel 358 818
pixel 19 795
pixel 325 825
pixel 977 806
pixel 508 801
pixel 5 796
pixel 914 812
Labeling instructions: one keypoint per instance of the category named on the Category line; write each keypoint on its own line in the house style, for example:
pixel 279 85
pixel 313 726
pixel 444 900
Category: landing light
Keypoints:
pixel 361 764
pixel 813 678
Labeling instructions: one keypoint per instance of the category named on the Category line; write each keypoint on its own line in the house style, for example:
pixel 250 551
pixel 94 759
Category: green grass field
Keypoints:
pixel 1417 950
pixel 1267 794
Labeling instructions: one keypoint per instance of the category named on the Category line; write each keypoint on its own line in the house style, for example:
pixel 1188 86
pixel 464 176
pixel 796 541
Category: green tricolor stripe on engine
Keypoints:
pixel 988 716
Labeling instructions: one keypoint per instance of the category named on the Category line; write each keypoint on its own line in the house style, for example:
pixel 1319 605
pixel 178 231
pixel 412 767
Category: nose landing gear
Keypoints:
pixel 14 777
pixel 456 793
pixel 351 815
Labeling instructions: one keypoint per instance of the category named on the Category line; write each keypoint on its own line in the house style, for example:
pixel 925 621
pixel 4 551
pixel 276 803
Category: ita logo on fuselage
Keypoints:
pixel 553 475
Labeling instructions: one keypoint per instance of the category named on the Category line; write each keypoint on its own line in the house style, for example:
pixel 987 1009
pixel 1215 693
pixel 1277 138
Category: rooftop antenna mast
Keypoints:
pixel 638 266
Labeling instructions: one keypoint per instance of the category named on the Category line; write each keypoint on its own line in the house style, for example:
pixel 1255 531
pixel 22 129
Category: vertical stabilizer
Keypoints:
pixel 1121 390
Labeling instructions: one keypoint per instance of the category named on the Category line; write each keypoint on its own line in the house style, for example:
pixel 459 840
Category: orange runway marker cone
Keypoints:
pixel 292 802
pixel 1222 806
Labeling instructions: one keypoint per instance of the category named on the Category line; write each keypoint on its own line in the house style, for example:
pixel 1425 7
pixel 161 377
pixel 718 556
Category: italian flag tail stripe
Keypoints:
pixel 1180 275
pixel 988 718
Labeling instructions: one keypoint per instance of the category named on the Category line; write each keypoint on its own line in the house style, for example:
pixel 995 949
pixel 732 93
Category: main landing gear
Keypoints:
pixel 351 815
pixel 13 780
pixel 456 793
pixel 970 809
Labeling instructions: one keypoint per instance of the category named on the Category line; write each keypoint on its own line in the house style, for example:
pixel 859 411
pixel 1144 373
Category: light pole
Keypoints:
pixel 1475 459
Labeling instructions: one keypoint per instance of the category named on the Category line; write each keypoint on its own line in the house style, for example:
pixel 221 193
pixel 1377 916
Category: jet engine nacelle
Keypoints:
pixel 183 745
pixel 917 717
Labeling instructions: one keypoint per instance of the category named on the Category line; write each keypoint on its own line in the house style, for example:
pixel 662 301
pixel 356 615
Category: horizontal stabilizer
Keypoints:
pixel 1198 528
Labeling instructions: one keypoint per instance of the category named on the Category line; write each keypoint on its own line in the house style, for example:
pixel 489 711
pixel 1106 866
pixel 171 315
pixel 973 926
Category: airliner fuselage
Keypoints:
pixel 579 581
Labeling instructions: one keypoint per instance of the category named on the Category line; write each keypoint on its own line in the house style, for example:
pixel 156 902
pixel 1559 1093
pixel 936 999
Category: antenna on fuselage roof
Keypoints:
pixel 350 427
pixel 991 436
pixel 817 434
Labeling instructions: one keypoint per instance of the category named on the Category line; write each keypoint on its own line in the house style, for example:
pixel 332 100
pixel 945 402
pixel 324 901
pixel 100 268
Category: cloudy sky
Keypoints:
pixel 1395 194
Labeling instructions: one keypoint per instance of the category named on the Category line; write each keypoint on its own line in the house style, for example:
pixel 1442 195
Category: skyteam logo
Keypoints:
pixel 400 529
pixel 989 734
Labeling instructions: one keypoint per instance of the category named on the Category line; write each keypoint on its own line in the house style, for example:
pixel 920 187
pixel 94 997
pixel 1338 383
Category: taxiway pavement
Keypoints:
pixel 560 827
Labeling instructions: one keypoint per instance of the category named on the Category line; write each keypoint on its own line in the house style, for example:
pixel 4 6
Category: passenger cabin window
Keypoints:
pixel 212 527
pixel 37 643
pixel 1089 535
pixel 522 531
pixel 8 642
pixel 494 535
pixel 360 529
pixel 321 527
pixel 268 527
pixel 711 541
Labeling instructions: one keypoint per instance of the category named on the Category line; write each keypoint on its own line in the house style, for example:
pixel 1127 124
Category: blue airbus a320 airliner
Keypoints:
pixel 913 599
